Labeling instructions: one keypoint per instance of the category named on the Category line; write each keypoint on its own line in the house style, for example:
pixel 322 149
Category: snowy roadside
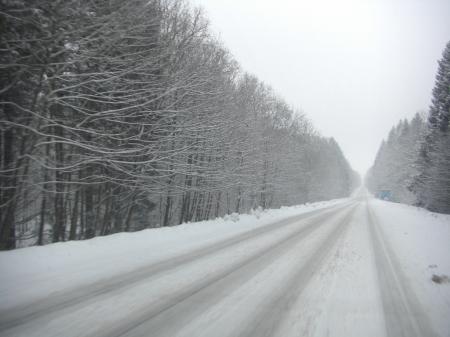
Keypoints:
pixel 34 273
pixel 421 242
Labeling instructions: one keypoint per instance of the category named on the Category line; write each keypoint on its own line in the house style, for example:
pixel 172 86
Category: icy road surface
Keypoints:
pixel 354 267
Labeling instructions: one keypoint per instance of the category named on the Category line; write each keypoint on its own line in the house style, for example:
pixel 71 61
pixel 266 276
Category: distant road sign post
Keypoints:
pixel 385 195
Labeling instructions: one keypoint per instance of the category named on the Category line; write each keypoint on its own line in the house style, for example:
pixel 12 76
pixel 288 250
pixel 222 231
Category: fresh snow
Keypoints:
pixel 421 240
pixel 33 273
pixel 328 280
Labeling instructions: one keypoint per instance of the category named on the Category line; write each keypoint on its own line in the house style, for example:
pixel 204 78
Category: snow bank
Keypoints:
pixel 421 241
pixel 33 273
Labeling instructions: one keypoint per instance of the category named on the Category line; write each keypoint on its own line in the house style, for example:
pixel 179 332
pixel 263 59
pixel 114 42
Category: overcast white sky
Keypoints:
pixel 355 67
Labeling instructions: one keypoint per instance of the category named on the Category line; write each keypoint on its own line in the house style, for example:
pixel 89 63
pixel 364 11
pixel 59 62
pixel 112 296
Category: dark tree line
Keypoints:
pixel 414 162
pixel 123 115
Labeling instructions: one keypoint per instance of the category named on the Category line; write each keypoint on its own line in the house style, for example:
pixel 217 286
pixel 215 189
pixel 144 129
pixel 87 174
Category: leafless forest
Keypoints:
pixel 119 116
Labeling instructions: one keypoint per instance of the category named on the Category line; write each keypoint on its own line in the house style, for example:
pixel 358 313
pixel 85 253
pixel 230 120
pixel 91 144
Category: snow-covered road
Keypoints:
pixel 340 269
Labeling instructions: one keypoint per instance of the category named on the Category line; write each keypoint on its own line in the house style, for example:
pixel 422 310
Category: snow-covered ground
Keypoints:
pixel 32 273
pixel 349 267
pixel 421 242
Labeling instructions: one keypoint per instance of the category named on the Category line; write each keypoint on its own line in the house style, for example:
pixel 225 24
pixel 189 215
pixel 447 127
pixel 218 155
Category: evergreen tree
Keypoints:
pixel 395 164
pixel 432 183
pixel 414 163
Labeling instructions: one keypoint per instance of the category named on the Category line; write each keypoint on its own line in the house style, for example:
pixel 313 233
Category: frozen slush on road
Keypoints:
pixel 349 267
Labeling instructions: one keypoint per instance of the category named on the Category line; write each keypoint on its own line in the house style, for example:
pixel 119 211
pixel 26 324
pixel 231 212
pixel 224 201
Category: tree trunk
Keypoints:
pixel 8 188
pixel 74 218
pixel 59 225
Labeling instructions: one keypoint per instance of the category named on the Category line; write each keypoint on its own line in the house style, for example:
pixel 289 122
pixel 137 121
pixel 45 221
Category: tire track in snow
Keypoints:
pixel 186 304
pixel 403 314
pixel 267 321
pixel 89 293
